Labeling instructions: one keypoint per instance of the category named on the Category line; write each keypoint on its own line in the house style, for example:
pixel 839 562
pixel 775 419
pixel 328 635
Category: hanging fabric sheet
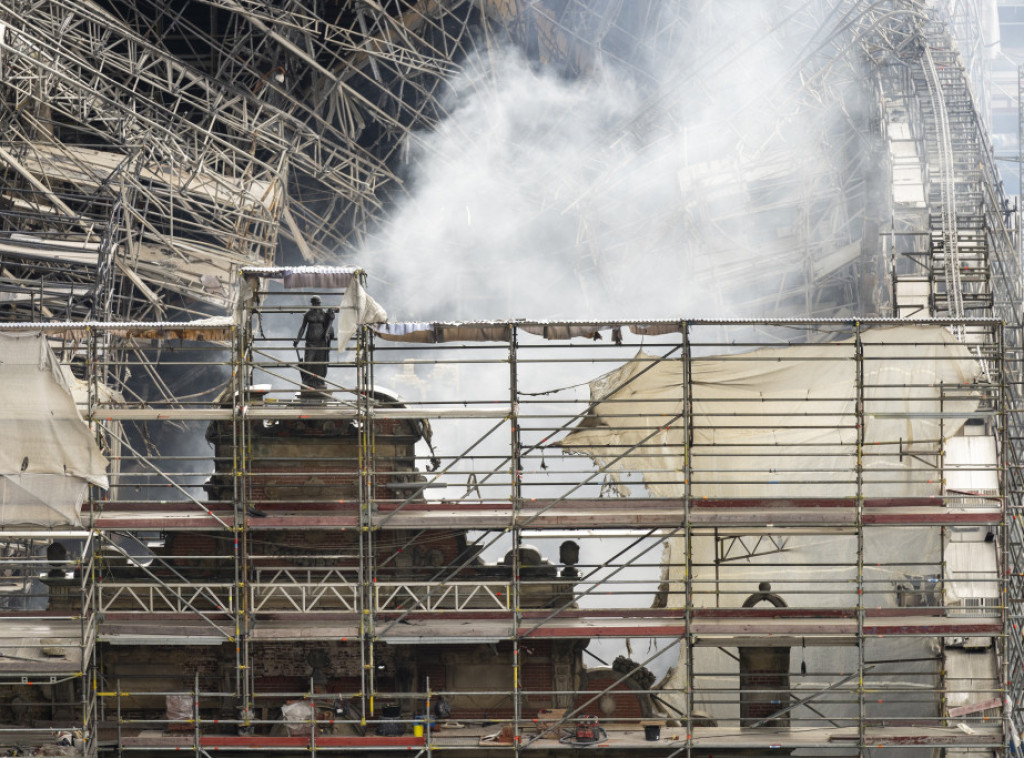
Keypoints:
pixel 49 456
pixel 782 422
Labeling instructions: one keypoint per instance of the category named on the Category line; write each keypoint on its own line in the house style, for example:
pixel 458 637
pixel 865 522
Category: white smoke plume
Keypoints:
pixel 624 193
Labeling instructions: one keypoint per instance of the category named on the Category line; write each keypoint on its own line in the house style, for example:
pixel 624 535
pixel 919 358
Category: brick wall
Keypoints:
pixel 764 684
pixel 617 704
pixel 138 671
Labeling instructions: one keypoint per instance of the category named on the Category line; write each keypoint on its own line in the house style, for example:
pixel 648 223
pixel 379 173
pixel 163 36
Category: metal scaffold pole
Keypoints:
pixel 241 377
pixel 859 415
pixel 369 708
pixel 1020 164
pixel 686 358
pixel 515 499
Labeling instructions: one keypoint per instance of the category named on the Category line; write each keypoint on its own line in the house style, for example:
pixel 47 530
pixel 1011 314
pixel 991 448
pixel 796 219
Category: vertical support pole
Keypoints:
pixel 312 717
pixel 1011 490
pixel 90 688
pixel 117 697
pixel 195 711
pixel 90 672
pixel 367 507
pixel 428 720
pixel 894 309
pixel 241 488
pixel 89 591
pixel 943 536
pixel 516 495
pixel 718 569
pixel 686 358
pixel 1004 567
pixel 859 411
pixel 1020 161
pixel 1013 504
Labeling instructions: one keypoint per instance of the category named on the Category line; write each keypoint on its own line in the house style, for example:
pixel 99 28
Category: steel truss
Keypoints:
pixel 153 151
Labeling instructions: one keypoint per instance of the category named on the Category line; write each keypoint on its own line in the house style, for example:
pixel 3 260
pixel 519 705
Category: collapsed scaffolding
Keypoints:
pixel 152 152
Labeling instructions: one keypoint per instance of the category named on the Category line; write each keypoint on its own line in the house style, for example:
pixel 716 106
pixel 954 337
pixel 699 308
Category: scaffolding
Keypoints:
pixel 511 536
pixel 150 152
pixel 337 568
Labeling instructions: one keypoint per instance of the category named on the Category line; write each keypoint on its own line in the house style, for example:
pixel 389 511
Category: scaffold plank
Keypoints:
pixel 448 627
pixel 619 735
pixel 759 513
pixel 285 412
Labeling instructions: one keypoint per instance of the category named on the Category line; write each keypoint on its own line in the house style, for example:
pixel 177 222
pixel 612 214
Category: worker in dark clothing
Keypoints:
pixel 318 330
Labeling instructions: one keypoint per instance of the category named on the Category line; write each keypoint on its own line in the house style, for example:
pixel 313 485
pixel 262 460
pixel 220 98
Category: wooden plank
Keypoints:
pixel 967 710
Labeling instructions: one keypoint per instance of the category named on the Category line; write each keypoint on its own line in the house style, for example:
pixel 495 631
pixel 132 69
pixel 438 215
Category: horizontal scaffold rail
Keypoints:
pixel 708 627
pixel 697 737
pixel 285 412
pixel 761 512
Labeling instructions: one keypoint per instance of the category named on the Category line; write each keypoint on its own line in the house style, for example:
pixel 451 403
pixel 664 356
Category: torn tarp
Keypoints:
pixel 306 277
pixel 49 456
pixel 357 308
pixel 783 422
pixel 501 331
pixel 442 331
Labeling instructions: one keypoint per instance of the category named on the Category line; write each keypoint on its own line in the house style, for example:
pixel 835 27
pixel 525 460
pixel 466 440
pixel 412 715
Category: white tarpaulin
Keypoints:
pixel 48 456
pixel 357 308
pixel 783 422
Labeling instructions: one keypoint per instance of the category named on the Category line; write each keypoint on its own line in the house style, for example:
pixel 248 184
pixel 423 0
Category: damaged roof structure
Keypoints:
pixel 786 523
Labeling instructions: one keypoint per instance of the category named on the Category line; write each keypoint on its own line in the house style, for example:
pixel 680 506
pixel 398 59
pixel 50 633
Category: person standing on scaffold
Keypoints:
pixel 318 330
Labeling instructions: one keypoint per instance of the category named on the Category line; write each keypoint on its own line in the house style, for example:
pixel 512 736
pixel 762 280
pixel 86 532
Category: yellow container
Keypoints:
pixel 417 730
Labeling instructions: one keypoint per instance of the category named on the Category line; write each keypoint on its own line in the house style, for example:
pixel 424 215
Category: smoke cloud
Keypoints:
pixel 652 187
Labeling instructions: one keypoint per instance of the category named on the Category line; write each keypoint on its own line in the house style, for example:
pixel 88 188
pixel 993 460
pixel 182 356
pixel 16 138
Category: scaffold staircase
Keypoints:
pixel 958 256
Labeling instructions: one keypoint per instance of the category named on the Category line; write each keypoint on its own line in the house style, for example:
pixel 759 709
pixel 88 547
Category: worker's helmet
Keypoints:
pixel 315 300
